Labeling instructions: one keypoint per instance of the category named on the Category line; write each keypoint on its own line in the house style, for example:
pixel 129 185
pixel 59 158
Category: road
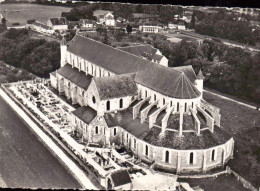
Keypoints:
pixel 24 160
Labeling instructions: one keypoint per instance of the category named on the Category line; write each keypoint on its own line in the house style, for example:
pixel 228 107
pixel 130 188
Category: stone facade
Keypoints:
pixel 99 131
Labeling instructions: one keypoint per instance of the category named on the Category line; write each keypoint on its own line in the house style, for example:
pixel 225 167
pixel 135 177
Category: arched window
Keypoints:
pixel 121 103
pixel 178 106
pixel 146 150
pixel 167 156
pixel 145 94
pixel 127 137
pixel 154 97
pixel 171 103
pixel 96 129
pixel 134 143
pixel 185 107
pixel 163 101
pixel 192 105
pixel 93 99
pixel 191 158
pixel 99 72
pixel 213 155
pixel 108 105
pixel 114 131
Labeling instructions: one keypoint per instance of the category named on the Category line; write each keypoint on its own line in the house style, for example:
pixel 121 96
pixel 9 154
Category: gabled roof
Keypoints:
pixel 188 71
pixel 157 57
pixel 76 77
pixel 37 23
pixel 58 21
pixel 140 50
pixel 200 75
pixel 116 86
pixel 120 177
pixel 154 76
pixel 85 113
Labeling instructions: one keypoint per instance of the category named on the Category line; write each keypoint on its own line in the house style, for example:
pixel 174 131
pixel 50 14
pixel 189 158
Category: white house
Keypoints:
pixel 40 27
pixel 149 28
pixel 85 23
pixel 178 26
pixel 106 19
pixel 58 23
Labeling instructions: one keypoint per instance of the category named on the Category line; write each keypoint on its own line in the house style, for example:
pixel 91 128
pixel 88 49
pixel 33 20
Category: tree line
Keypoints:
pixel 227 26
pixel 37 56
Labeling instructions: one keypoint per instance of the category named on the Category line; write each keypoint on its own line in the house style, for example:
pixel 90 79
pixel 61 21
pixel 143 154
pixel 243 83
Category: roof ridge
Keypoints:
pixel 158 65
pixel 187 84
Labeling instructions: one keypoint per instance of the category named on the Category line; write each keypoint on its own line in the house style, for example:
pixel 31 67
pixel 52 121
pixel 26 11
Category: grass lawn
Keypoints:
pixel 23 12
pixel 226 182
pixel 244 124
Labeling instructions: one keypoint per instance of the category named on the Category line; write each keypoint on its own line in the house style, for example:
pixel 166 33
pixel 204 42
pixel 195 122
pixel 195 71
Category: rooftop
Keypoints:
pixel 121 62
pixel 75 76
pixel 116 86
pixel 190 140
pixel 140 50
pixel 85 113
pixel 58 21
pixel 120 177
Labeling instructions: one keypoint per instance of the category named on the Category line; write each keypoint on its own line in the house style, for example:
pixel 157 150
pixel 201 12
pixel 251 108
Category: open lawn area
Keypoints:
pixel 226 182
pixel 11 74
pixel 244 124
pixel 23 12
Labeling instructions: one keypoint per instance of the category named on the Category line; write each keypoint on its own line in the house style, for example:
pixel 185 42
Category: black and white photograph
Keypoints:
pixel 98 95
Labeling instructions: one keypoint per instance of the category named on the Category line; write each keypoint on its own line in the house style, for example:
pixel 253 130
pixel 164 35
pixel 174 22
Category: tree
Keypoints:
pixel 4 21
pixel 129 29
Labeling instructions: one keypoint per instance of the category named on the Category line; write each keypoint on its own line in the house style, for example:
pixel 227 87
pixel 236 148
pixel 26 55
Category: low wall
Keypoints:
pixel 245 183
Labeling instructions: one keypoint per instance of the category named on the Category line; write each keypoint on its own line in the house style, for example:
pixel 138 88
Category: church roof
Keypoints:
pixel 120 177
pixel 154 76
pixel 116 86
pixel 184 89
pixel 85 113
pixel 125 120
pixel 75 76
pixel 200 75
pixel 188 71
pixel 140 50
pixel 171 139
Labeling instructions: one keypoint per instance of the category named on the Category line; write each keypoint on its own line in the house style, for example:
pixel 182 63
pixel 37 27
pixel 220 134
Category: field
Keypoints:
pixel 175 38
pixel 23 12
pixel 244 125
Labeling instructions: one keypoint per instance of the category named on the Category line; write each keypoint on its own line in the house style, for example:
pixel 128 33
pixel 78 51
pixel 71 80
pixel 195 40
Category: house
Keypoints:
pixel 147 52
pixel 59 24
pixel 177 26
pixel 119 180
pixel 40 27
pixel 120 20
pixel 85 23
pixel 156 112
pixel 104 17
pixel 149 28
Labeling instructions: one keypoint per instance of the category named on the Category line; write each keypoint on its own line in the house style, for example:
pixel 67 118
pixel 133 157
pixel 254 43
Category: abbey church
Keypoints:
pixel 130 97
